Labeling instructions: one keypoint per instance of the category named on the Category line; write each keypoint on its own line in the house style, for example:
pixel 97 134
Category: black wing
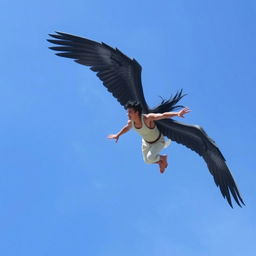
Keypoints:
pixel 119 74
pixel 195 138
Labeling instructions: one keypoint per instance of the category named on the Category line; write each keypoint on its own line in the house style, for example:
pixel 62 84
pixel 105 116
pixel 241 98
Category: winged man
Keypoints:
pixel 153 140
pixel 121 76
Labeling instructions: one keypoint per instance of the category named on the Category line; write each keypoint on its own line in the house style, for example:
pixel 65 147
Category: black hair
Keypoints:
pixel 170 104
pixel 134 105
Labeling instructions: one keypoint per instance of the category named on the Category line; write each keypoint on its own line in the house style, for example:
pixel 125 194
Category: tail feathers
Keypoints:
pixel 170 104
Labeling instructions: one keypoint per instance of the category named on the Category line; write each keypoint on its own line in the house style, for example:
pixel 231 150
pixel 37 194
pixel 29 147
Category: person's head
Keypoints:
pixel 134 109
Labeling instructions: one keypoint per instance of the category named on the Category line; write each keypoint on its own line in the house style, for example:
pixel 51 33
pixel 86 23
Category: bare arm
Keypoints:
pixel 125 129
pixel 181 113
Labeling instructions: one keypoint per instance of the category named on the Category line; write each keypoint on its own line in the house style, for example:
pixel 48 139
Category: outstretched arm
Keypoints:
pixel 122 131
pixel 181 113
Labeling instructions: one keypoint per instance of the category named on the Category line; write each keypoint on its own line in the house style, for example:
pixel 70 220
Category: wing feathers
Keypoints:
pixel 65 36
pixel 119 74
pixel 195 138
pixel 122 78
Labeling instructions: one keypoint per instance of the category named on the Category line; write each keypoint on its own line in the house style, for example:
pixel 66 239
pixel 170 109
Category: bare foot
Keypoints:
pixel 164 160
pixel 162 167
pixel 162 163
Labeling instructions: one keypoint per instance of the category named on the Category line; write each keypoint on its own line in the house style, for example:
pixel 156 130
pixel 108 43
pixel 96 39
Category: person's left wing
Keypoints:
pixel 195 138
pixel 119 74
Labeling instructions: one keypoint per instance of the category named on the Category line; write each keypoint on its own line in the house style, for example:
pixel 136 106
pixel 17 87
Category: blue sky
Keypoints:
pixel 67 190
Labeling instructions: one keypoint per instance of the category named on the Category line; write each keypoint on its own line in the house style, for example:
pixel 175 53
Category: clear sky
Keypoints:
pixel 65 189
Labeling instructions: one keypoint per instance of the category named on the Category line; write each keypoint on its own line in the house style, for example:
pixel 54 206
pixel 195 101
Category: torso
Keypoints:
pixel 146 128
pixel 148 123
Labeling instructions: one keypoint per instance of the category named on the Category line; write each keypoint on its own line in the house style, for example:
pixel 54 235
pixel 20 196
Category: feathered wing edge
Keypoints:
pixel 223 179
pixel 170 104
pixel 120 74
pixel 195 138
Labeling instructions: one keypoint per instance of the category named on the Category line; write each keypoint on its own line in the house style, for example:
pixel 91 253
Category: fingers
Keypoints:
pixel 187 110
pixel 113 136
pixel 184 111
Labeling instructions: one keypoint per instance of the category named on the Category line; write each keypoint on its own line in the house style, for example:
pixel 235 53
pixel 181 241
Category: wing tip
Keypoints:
pixel 56 33
pixel 238 199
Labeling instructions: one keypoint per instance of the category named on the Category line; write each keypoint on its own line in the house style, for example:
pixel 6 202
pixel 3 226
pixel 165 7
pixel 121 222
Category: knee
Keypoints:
pixel 151 158
pixel 146 160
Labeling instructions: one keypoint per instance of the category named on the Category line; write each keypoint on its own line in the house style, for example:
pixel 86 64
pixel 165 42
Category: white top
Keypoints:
pixel 148 134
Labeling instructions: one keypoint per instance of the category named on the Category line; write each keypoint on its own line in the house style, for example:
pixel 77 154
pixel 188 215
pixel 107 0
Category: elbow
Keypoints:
pixel 165 115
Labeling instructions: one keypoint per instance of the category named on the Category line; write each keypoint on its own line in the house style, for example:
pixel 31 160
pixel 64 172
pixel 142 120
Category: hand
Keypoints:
pixel 183 112
pixel 113 136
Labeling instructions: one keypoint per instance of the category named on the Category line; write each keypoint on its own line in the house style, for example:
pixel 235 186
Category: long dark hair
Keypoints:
pixel 170 104
pixel 165 105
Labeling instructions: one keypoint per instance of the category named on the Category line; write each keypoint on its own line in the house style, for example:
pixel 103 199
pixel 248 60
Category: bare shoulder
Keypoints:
pixel 129 123
pixel 152 116
pixel 148 116
pixel 149 120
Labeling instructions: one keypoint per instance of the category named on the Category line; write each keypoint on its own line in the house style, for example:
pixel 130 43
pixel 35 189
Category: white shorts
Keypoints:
pixel 151 151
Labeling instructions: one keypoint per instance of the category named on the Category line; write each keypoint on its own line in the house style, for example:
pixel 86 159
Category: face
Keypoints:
pixel 132 114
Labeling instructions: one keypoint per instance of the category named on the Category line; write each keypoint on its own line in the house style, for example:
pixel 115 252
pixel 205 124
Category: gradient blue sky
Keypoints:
pixel 67 190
